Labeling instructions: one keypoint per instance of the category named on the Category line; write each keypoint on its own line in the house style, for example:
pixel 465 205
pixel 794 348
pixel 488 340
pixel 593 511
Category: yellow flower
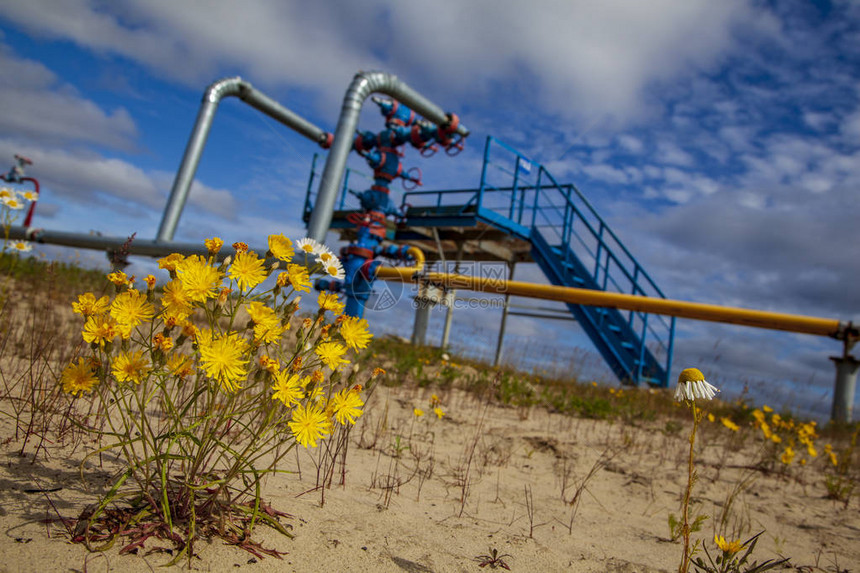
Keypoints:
pixel 347 406
pixel 288 388
pixel 417 412
pixel 354 332
pixel 767 409
pixel 99 329
pixel 692 385
pixel 180 365
pixel 728 547
pixel 118 278
pixel 330 302
pixel 267 326
pixel 297 275
pixel 89 305
pixel 130 308
pixel 248 270
pixel 711 417
pixel 775 438
pixel 270 365
pixel 281 247
pixel 223 358
pixel 309 423
pixel 833 459
pixel 213 245
pixel 163 343
pixel 175 301
pixel 130 367
pixel 240 247
pixel 78 378
pixel 438 411
pixel 787 456
pixel 331 353
pixel 729 424
pixel 199 279
pixel 170 262
pixel 377 372
pixel 435 400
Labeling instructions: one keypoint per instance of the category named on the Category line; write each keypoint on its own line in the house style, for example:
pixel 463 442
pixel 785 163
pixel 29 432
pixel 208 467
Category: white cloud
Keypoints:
pixel 38 108
pixel 583 59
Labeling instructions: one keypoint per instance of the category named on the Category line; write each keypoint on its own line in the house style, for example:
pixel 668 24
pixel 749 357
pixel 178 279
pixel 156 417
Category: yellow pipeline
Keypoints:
pixel 588 297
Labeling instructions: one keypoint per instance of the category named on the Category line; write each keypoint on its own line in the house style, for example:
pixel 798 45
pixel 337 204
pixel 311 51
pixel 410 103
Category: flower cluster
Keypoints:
pixel 219 363
pixel 135 334
pixel 12 202
pixel 789 435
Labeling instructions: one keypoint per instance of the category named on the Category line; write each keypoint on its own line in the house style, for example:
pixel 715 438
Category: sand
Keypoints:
pixel 402 505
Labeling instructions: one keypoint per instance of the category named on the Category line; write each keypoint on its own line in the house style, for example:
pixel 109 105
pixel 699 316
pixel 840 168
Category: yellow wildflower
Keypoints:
pixel 99 329
pixel 729 424
pixel 130 366
pixel 223 358
pixel 330 302
pixel 163 343
pixel 288 388
pixel 309 423
pixel 728 547
pixel 331 353
pixel 297 275
pixel 89 305
pixel 175 301
pixel 438 411
pixel 213 245
pixel 130 308
pixel 787 456
pixel 281 247
pixel 118 278
pixel 248 270
pixel 417 412
pixel 180 365
pixel 78 378
pixel 199 279
pixel 150 281
pixel 170 262
pixel 354 332
pixel 346 405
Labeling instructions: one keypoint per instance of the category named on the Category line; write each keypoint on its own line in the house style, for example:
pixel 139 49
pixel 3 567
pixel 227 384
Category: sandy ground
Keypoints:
pixel 402 506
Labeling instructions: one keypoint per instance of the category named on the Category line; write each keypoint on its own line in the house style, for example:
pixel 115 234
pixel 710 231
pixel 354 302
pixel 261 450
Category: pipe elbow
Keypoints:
pixel 418 255
pixel 224 87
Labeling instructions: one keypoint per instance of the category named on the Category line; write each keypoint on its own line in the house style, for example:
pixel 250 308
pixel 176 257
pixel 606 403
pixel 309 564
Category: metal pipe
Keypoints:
pixel 505 310
pixel 143 247
pixel 682 309
pixel 191 159
pixel 843 391
pixel 363 84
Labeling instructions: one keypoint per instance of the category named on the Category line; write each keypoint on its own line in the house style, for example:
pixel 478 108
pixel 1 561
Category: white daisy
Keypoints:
pixel 692 385
pixel 22 246
pixel 13 203
pixel 334 268
pixel 308 246
pixel 6 192
pixel 29 195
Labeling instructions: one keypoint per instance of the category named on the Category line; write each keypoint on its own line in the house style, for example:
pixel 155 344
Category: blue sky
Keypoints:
pixel 720 140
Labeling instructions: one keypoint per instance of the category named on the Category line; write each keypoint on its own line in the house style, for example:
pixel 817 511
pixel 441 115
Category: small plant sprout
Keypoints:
pixel 494 559
pixel 692 386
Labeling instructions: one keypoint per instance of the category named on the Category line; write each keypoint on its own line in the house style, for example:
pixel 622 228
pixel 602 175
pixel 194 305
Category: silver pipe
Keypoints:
pixel 211 98
pixel 363 84
pixel 144 247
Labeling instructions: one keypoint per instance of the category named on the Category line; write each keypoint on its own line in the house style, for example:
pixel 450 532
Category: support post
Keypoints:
pixel 428 296
pixel 498 359
pixel 843 391
pixel 450 297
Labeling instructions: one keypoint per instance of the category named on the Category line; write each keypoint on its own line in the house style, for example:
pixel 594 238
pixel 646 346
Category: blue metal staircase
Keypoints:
pixel 569 241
